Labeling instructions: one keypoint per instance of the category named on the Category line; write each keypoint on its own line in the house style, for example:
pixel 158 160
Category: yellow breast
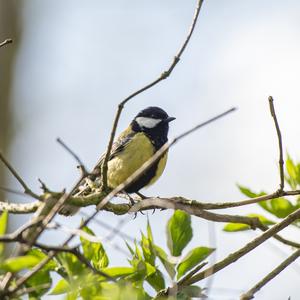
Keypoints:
pixel 134 155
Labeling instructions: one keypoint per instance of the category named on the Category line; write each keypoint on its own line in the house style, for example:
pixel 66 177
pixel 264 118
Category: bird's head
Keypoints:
pixel 152 120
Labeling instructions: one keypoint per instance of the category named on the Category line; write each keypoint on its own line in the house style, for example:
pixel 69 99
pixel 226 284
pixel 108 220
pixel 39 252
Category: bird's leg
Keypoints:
pixel 142 198
pixel 141 195
pixel 129 197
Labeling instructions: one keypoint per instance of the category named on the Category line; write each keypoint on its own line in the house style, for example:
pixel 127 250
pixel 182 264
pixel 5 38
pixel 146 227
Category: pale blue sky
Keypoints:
pixel 79 59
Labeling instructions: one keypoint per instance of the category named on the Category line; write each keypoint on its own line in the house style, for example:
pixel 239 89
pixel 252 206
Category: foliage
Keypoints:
pixel 150 269
pixel 279 207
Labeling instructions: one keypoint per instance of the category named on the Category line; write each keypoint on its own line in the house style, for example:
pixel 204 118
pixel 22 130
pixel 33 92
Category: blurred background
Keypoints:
pixel 72 62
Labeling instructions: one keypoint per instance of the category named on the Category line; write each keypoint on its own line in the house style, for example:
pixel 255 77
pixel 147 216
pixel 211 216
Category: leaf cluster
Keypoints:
pixel 150 269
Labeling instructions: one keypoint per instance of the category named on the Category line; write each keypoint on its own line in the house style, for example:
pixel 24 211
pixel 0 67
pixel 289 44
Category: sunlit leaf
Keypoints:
pixel 118 271
pixel 147 249
pixel 179 232
pixel 234 227
pixel 94 251
pixel 162 255
pixel 15 264
pixel 249 193
pixel 156 280
pixel 71 264
pixel 192 259
pixel 292 172
pixel 61 287
pixel 50 265
pixel 3 227
pixel 281 207
pixel 129 248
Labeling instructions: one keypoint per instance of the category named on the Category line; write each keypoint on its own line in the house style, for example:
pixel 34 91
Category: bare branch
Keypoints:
pixel 27 190
pixel 250 294
pixel 281 161
pixel 75 156
pixel 20 208
pixel 5 42
pixel 163 76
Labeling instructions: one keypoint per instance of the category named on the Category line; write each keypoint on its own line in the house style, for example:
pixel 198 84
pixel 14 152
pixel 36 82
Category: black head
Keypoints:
pixel 154 122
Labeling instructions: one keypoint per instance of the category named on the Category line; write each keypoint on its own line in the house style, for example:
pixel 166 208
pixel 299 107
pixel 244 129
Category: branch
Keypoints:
pixel 5 42
pixel 20 208
pixel 27 190
pixel 250 294
pixel 247 248
pixel 253 222
pixel 233 257
pixel 163 76
pixel 281 162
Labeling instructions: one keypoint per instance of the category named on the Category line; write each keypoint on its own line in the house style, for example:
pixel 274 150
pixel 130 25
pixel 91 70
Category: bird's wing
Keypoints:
pixel 117 147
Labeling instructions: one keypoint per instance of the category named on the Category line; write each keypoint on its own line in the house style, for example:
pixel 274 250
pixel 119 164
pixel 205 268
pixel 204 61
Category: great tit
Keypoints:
pixel 146 134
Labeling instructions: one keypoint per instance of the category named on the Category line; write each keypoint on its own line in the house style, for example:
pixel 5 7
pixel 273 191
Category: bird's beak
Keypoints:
pixel 170 119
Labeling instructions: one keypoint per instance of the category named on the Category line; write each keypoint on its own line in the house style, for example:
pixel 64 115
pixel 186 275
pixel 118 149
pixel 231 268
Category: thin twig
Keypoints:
pixel 75 252
pixel 109 227
pixel 250 294
pixel 52 251
pixel 75 156
pixel 32 289
pixel 281 161
pixel 27 190
pixel 12 191
pixel 163 76
pixel 5 42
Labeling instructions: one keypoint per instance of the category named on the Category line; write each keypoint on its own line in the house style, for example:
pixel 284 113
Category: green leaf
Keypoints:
pixel 51 265
pixel 292 172
pixel 249 193
pixel 129 248
pixel 71 264
pixel 15 264
pixel 61 287
pixel 193 291
pixel 156 280
pixel 192 259
pixel 281 207
pixel 149 232
pixel 3 227
pixel 148 252
pixel 179 232
pixel 234 227
pixel 41 281
pixel 94 251
pixel 162 255
pixel 118 271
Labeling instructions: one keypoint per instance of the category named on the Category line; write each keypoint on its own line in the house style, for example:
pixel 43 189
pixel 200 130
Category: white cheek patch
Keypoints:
pixel 147 122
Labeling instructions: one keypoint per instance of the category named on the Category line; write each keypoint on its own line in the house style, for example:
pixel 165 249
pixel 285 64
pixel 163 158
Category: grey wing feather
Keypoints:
pixel 117 147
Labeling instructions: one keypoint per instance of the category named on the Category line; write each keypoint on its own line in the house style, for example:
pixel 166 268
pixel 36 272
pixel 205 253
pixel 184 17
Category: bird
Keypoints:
pixel 145 135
